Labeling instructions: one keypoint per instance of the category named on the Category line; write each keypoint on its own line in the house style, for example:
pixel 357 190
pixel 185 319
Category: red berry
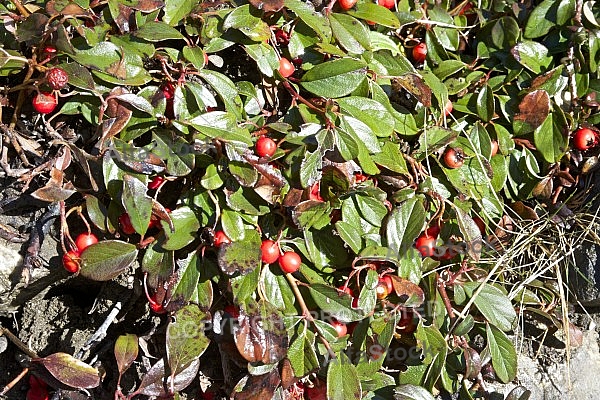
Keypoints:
pixel 387 3
pixel 168 90
pixel 448 107
pixel 57 78
pixel 433 230
pixel 37 393
pixel 44 103
pixel 286 68
pixel 347 4
pixel 426 245
pixel 125 224
pixel 407 321
pixel 454 157
pixel 232 310
pixel 220 238
pixel 340 328
pixel 85 240
pixel 156 182
pixel 419 53
pixel 584 139
pixel 71 261
pixel 265 147
pixel 269 251
pixel 388 283
pixel 290 262
pixel 315 192
pixel 351 293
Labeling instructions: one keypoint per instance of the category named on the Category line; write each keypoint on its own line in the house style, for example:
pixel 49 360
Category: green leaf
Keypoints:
pixel 185 338
pixel 302 354
pixel 333 302
pixel 176 10
pixel 265 57
pixel 276 288
pixel 211 179
pixel 137 204
pixel 485 103
pixel 549 139
pixel 126 351
pixel 310 168
pixel 106 260
pixel 471 233
pixel 79 76
pixel 233 224
pixel 310 17
pixel 350 33
pixel 350 235
pixel 376 13
pixel 412 392
pixel 342 379
pixel 156 31
pixel 504 355
pixel 333 79
pixel 241 257
pixel 226 89
pixel 434 139
pixel 434 347
pixel 493 304
pixel 186 225
pixel 186 279
pixel 244 286
pixel 176 152
pixel 547 15
pixel 404 224
pixel 371 112
pixel 391 158
pixel 195 55
pixel 247 20
pixel 532 55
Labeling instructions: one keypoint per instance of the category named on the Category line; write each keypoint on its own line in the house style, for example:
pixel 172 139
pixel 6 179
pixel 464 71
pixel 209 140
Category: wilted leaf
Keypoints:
pixel 185 339
pixel 153 382
pixel 240 257
pixel 411 295
pixel 504 355
pixel 257 387
pixel 260 335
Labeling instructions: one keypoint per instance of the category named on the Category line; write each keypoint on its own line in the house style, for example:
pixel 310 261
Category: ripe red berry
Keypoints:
pixel 407 321
pixel 315 192
pixel 265 147
pixel 232 310
pixel 290 262
pixel 269 251
pixel 454 157
pixel 286 68
pixel 57 78
pixel 387 280
pixel 351 293
pixel 125 224
pixel 44 103
pixel 70 261
pixel 426 245
pixel 339 327
pixel 347 4
pixel 584 139
pixel 419 53
pixel 387 3
pixel 85 240
pixel 433 230
pixel 168 90
pixel 156 182
pixel 220 238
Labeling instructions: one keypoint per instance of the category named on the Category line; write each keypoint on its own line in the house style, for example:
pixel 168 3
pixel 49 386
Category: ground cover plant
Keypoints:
pixel 327 193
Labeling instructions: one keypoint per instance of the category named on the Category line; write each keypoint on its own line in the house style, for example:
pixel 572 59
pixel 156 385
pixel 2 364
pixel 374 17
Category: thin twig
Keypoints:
pixel 101 332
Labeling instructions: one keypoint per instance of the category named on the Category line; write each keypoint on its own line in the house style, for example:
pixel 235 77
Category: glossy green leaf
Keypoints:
pixel 532 55
pixel 334 79
pixel 376 13
pixel 342 379
pixel 186 225
pixel 494 305
pixel 302 354
pixel 156 31
pixel 550 140
pixel 247 20
pixel 504 355
pixel 136 203
pixel 126 351
pixel 370 112
pixel 350 33
pixel 404 224
pixel 106 260
pixel 434 348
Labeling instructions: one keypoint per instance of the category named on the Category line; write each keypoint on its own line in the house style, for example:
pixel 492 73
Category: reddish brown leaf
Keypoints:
pixel 544 188
pixel 70 371
pixel 534 108
pixel 258 387
pixel 415 85
pixel 261 335
pixel 267 5
pixel 473 363
pixel 410 294
pixel 287 374
pixel 147 6
pixel 524 211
